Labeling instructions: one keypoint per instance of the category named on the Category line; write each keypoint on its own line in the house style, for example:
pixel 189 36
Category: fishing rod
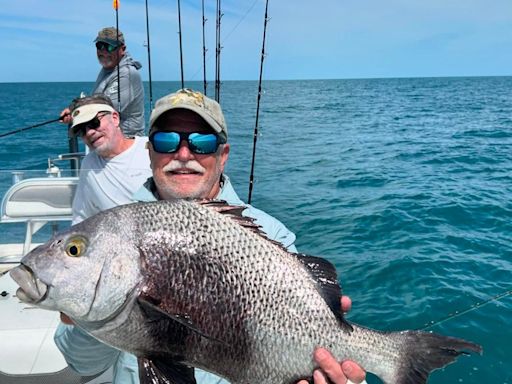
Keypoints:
pixel 255 136
pixel 469 309
pixel 149 60
pixel 116 7
pixel 228 34
pixel 33 126
pixel 217 53
pixel 205 84
pixel 181 48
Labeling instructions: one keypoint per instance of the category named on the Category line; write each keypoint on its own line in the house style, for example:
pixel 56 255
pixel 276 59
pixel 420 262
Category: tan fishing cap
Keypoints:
pixel 194 101
pixel 109 35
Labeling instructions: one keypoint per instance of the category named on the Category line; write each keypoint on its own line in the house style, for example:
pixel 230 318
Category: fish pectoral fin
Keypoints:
pixel 154 312
pixel 157 371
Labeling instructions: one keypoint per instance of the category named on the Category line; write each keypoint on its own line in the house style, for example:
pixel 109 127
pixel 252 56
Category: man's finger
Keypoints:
pixel 353 371
pixel 319 378
pixel 346 303
pixel 329 366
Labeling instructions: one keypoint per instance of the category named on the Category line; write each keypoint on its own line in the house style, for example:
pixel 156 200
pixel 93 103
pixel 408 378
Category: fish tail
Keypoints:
pixel 424 352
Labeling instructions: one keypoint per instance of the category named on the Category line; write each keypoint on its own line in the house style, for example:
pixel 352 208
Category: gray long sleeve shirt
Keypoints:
pixel 131 107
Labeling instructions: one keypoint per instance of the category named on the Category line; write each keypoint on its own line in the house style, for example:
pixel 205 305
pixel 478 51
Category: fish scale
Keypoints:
pixel 191 283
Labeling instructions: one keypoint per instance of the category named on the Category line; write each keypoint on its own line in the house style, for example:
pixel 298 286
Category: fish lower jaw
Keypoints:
pixel 25 298
pixel 32 290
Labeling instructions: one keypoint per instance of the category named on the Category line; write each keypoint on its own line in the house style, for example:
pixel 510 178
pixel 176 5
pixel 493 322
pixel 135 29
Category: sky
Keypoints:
pixel 52 40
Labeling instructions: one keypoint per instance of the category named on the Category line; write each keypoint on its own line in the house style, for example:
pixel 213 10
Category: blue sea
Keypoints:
pixel 404 184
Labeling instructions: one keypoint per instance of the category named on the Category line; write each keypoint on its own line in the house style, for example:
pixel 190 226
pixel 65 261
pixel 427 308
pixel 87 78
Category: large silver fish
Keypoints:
pixel 183 284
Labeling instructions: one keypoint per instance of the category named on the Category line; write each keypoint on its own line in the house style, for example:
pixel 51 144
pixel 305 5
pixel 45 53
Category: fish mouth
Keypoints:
pixel 31 290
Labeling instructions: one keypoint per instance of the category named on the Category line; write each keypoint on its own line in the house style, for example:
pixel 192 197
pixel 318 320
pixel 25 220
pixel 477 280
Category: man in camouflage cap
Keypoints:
pixel 127 92
pixel 188 149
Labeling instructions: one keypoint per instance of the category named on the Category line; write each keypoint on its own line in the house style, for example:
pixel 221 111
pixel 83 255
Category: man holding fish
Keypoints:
pixel 188 150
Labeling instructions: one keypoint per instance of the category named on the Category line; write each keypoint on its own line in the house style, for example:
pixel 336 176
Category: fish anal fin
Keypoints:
pixel 324 273
pixel 158 371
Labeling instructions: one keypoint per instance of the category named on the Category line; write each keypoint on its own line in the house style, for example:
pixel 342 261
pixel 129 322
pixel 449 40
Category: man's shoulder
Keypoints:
pixel 129 64
pixel 141 141
pixel 144 192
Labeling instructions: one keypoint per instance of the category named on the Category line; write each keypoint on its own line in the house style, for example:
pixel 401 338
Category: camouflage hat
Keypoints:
pixel 194 101
pixel 109 36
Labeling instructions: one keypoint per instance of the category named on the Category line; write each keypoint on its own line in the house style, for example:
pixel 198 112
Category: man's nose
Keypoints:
pixel 184 152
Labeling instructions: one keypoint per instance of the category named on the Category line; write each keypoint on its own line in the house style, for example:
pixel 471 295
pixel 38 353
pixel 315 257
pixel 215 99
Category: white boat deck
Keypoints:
pixel 28 354
pixel 27 335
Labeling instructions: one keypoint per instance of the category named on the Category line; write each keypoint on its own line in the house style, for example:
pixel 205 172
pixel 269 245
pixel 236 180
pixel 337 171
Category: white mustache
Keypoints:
pixel 191 165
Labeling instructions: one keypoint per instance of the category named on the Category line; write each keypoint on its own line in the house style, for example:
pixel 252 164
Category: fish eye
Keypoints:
pixel 76 247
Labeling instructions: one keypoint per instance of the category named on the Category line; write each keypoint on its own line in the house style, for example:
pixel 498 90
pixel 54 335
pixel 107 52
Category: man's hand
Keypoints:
pixel 331 371
pixel 65 116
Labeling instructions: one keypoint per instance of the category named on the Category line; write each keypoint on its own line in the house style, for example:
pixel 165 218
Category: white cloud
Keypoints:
pixel 323 39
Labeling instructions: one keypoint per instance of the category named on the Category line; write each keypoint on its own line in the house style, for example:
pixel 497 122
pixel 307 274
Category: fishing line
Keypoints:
pixel 469 309
pixel 181 48
pixel 240 21
pixel 32 126
pixel 255 136
pixel 149 59
pixel 229 33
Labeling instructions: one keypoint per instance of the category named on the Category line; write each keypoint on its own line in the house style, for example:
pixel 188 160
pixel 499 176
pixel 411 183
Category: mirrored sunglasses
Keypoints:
pixel 200 143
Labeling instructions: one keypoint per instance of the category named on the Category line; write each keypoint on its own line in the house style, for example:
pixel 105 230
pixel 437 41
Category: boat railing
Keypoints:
pixel 38 201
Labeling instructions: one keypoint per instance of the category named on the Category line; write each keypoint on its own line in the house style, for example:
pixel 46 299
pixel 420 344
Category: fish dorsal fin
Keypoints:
pixel 324 273
pixel 156 371
pixel 234 212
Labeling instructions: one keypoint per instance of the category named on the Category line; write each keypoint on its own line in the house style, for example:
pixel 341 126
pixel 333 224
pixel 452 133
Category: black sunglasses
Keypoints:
pixel 92 124
pixel 101 46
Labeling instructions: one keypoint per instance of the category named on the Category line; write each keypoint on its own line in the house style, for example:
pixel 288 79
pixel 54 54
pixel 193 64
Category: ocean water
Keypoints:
pixel 404 184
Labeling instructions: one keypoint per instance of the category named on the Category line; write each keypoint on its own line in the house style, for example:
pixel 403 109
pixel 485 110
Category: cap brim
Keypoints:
pixel 86 113
pixel 112 42
pixel 198 110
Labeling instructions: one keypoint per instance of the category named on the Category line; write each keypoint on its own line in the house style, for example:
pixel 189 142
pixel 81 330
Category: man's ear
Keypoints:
pixel 116 118
pixel 224 155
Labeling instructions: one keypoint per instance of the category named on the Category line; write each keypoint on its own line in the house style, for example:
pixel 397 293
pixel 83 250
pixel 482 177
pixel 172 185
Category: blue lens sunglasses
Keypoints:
pixel 200 143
